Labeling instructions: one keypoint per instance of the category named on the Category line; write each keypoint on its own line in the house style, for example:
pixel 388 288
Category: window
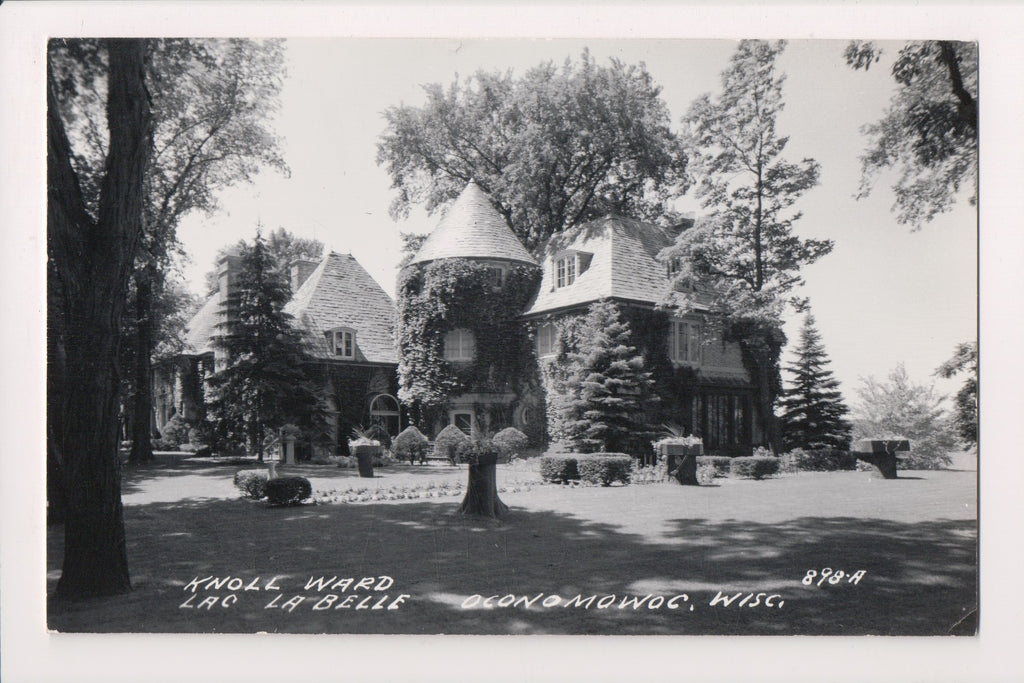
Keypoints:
pixel 547 335
pixel 463 419
pixel 672 268
pixel 496 275
pixel 344 343
pixel 459 345
pixel 384 412
pixel 565 271
pixel 684 344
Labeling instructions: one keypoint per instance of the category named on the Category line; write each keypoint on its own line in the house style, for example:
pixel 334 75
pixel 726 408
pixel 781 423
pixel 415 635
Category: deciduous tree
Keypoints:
pixel 901 409
pixel 964 359
pixel 91 258
pixel 211 102
pixel 929 133
pixel 744 250
pixel 553 148
pixel 814 413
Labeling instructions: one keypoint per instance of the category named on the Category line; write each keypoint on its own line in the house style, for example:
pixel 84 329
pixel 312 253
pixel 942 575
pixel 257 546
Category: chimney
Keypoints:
pixel 227 274
pixel 301 269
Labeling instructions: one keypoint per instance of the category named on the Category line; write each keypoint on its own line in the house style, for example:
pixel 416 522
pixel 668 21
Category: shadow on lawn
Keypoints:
pixel 920 578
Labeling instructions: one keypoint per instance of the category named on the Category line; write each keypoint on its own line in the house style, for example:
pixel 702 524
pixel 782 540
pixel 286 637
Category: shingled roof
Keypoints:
pixel 622 264
pixel 472 228
pixel 339 293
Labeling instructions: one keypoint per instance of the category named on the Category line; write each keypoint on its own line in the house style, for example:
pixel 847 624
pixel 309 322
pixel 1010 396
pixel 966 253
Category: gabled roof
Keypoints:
pixel 340 293
pixel 472 228
pixel 622 264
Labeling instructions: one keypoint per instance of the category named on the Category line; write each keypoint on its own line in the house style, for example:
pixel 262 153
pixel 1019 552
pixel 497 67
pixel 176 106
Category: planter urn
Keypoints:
pixel 681 461
pixel 364 456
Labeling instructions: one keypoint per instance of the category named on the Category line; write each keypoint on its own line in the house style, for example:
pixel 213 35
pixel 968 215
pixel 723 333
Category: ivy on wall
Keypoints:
pixel 449 294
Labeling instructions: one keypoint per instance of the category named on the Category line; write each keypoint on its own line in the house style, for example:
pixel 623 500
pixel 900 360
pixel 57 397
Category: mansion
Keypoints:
pixel 479 329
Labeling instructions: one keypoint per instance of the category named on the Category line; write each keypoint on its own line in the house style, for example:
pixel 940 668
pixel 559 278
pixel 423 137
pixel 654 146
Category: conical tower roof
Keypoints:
pixel 472 228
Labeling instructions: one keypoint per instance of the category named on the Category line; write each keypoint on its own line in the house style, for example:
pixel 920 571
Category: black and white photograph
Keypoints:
pixel 405 329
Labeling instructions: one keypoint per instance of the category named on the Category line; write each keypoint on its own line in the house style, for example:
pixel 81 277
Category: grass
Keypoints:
pixel 915 537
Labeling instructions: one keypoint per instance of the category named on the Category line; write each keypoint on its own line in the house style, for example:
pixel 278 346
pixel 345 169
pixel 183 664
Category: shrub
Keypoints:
pixel 604 468
pixel 823 460
pixel 510 442
pixel 476 451
pixel 559 468
pixel 756 467
pixel 174 433
pixel 288 490
pixel 253 483
pixel 410 445
pixel 706 474
pixel 447 442
pixel 721 465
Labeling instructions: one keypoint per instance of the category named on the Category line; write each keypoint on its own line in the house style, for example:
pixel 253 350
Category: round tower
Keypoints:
pixel 464 356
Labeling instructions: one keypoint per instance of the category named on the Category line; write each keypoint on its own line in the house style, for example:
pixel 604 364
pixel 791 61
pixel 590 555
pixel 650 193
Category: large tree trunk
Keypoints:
pixel 482 491
pixel 93 262
pixel 142 400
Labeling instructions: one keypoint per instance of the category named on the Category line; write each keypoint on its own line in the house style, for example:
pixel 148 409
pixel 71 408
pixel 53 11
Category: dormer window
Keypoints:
pixel 684 342
pixel 565 271
pixel 568 266
pixel 672 268
pixel 344 341
pixel 459 345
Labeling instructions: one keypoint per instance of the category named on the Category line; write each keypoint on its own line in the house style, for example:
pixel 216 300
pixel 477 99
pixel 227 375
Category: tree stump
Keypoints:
pixel 364 458
pixel 482 490
pixel 681 462
pixel 881 453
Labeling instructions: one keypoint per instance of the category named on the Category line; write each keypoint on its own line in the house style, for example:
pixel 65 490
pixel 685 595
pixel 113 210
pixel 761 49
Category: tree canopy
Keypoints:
pixel 899 408
pixel 964 360
pixel 744 248
pixel 282 248
pixel 553 148
pixel 929 133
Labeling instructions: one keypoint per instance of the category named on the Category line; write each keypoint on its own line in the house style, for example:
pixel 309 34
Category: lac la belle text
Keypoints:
pixel 320 593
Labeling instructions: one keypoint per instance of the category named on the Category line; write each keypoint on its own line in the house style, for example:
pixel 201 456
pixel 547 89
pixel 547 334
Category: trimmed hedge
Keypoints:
pixel 591 468
pixel 288 490
pixel 447 442
pixel 756 467
pixel 721 464
pixel 253 483
pixel 410 445
pixel 478 452
pixel 559 468
pixel 818 460
pixel 605 468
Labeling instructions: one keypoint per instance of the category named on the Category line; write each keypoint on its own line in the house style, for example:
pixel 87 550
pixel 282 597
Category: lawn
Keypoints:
pixel 914 539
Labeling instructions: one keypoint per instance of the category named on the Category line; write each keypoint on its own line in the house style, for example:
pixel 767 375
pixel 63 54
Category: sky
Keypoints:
pixel 885 295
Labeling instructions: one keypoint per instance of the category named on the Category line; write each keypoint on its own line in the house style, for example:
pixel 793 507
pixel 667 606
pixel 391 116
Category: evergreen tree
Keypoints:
pixel 607 412
pixel 266 383
pixel 813 407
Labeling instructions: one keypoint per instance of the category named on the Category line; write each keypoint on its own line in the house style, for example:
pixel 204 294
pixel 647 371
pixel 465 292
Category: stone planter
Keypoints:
pixel 681 461
pixel 364 456
pixel 882 453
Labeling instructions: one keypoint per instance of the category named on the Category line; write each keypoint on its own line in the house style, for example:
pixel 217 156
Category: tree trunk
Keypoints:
pixel 142 400
pixel 482 491
pixel 93 262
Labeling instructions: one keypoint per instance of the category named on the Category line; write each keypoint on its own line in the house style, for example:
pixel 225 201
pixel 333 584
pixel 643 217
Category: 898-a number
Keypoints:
pixel 832 576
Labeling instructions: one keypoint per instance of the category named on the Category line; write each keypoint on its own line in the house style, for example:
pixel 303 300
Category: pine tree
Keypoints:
pixel 607 412
pixel 266 383
pixel 814 411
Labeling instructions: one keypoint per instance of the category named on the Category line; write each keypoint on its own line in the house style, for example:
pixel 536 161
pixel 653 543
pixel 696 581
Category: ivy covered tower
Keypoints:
pixel 464 356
